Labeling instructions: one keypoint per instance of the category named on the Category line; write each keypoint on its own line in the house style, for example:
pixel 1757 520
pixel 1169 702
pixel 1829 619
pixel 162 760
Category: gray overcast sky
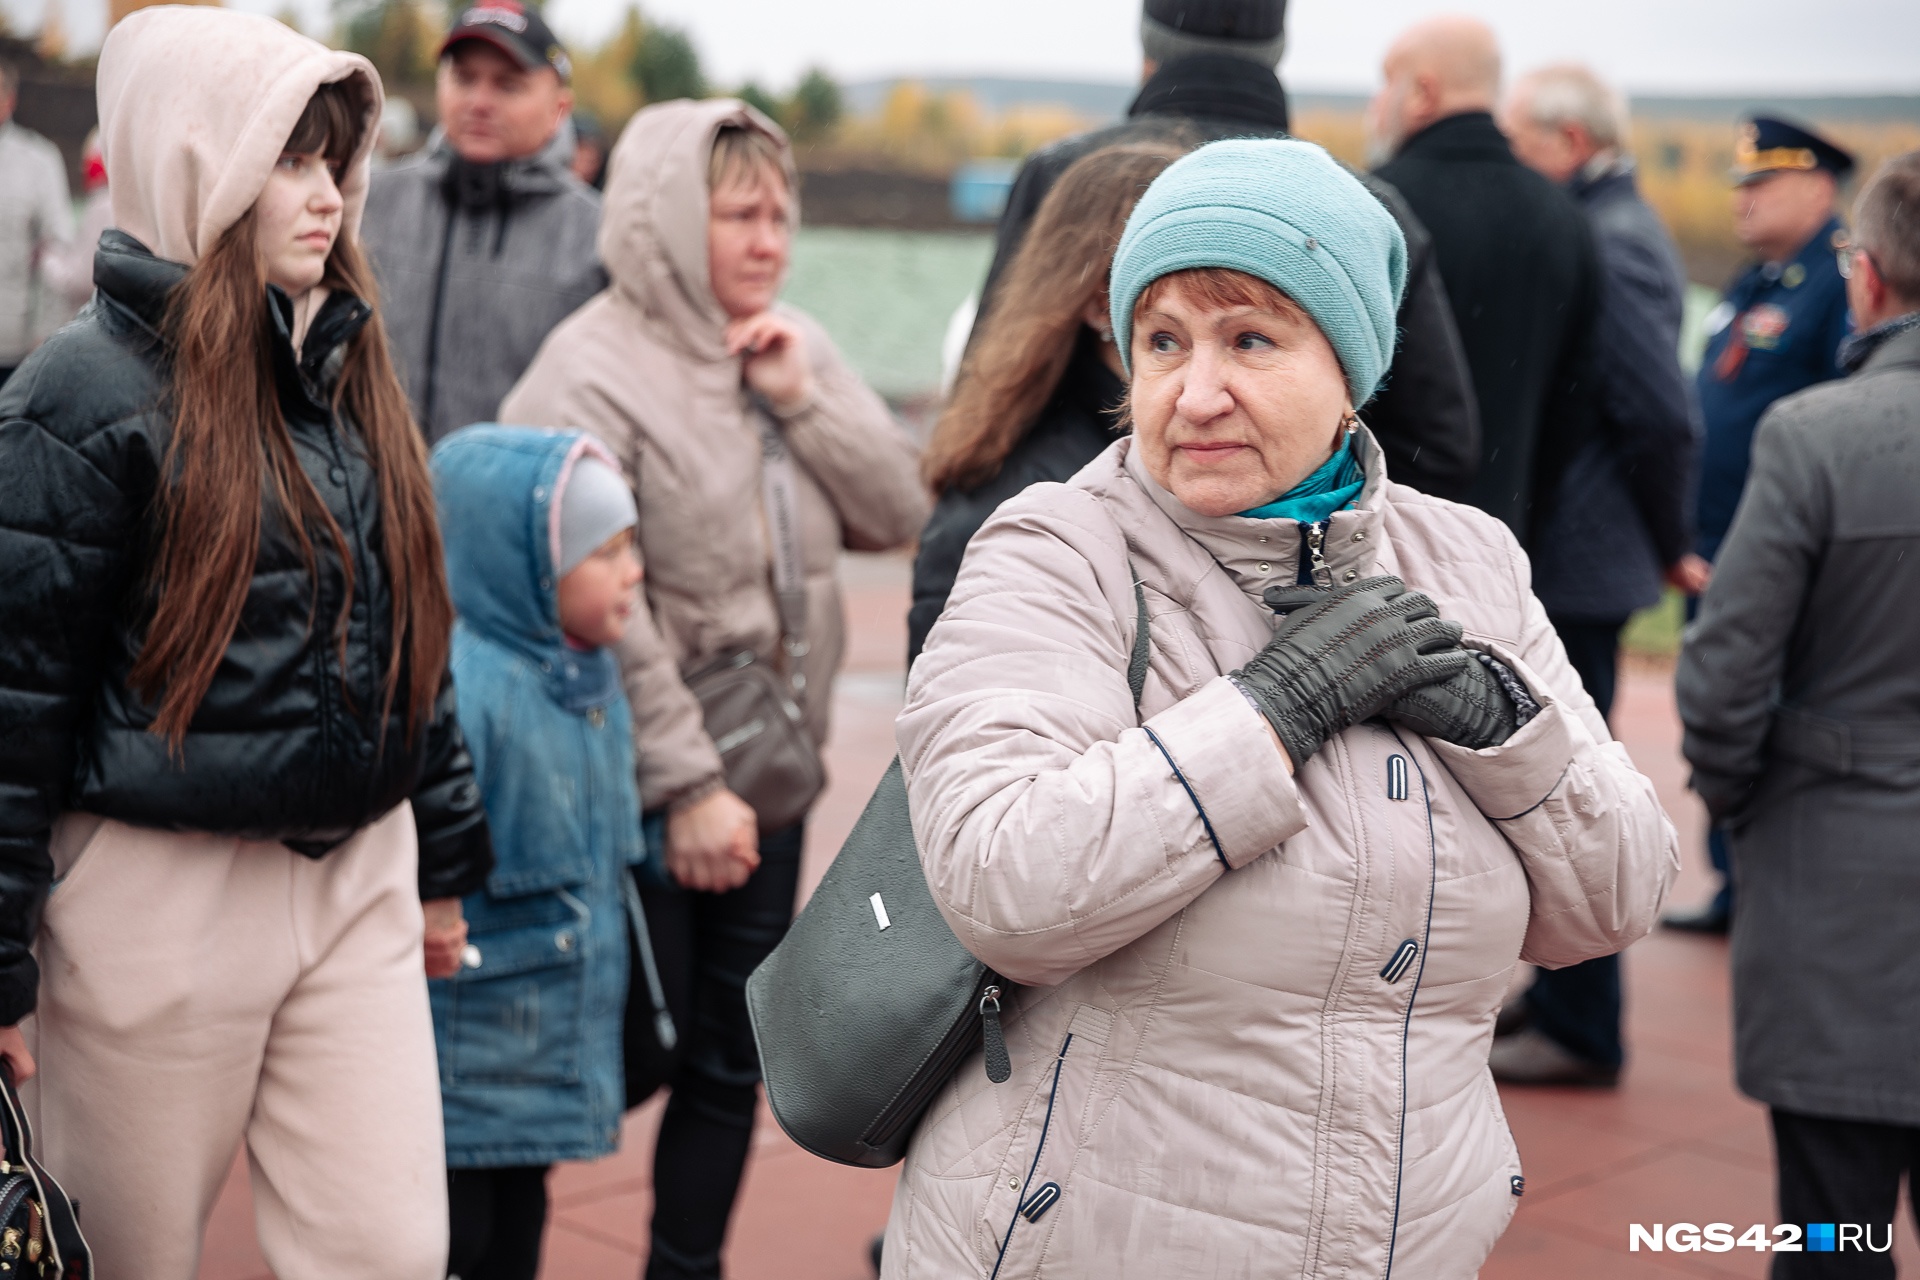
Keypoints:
pixel 1675 46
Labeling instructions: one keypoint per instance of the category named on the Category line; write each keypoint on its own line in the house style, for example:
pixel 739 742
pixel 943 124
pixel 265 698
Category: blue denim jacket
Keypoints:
pixel 529 1030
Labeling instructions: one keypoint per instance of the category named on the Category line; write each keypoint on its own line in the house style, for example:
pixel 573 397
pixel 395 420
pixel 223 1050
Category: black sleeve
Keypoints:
pixel 956 518
pixel 1646 410
pixel 456 851
pixel 1030 186
pixel 1425 415
pixel 65 526
pixel 1570 411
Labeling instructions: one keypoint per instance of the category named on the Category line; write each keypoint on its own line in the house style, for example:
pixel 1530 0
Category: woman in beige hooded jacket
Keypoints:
pixel 677 366
pixel 1262 909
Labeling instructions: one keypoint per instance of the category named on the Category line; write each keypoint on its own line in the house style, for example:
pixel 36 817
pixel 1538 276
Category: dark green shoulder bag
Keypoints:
pixel 870 1003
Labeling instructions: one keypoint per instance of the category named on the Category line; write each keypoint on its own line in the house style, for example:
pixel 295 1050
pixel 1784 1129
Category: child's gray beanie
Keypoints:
pixel 595 504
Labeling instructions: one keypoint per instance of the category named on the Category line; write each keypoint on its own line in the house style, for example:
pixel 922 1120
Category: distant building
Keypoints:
pixel 979 190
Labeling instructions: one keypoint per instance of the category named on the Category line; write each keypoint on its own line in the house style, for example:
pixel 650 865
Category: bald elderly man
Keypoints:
pixel 1513 249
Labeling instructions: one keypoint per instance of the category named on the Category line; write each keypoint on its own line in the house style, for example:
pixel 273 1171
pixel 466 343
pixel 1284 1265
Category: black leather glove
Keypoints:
pixel 1471 710
pixel 1344 656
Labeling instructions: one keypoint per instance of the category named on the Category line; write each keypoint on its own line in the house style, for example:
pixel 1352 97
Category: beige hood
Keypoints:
pixel 195 106
pixel 653 225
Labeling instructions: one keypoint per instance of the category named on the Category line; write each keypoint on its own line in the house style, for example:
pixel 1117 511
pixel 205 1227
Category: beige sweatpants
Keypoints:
pixel 196 990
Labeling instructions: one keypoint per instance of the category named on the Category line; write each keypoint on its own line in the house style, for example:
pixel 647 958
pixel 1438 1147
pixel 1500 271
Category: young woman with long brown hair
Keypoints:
pixel 223 679
pixel 1036 397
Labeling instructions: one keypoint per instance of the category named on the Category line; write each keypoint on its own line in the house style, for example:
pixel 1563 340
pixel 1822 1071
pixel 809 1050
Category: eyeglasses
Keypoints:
pixel 1845 256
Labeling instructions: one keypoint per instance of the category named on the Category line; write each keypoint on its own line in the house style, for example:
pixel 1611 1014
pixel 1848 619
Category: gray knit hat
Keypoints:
pixel 1251 29
pixel 595 504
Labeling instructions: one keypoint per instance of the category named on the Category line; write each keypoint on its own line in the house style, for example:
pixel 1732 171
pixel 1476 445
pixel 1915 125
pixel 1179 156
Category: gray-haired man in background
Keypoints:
pixel 1801 700
pixel 1615 525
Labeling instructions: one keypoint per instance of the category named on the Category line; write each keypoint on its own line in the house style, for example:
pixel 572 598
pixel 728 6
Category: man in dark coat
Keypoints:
pixel 1513 249
pixel 1801 700
pixel 1209 75
pixel 1778 331
pixel 1617 526
pixel 485 241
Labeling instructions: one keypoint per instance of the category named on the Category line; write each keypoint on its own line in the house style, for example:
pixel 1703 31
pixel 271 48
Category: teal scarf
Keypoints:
pixel 1333 487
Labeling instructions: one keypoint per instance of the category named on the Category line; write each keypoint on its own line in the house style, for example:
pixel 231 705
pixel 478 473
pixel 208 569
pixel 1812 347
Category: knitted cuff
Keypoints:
pixel 1525 707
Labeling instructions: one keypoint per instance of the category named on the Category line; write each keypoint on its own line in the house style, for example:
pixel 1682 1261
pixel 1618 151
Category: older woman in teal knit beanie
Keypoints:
pixel 1279 226
pixel 1251 775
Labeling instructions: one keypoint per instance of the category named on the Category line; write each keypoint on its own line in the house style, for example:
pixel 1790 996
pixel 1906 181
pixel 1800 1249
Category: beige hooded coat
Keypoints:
pixel 644 365
pixel 194 158
pixel 1269 1060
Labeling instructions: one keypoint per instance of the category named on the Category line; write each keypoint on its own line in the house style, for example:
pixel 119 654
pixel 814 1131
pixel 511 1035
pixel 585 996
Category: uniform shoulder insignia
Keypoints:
pixel 1794 276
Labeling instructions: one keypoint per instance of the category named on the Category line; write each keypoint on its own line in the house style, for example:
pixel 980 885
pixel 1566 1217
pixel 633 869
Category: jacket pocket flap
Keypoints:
pixel 522 950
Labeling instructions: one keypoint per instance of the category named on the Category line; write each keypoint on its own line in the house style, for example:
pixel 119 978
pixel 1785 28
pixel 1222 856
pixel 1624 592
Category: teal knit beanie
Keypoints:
pixel 1286 212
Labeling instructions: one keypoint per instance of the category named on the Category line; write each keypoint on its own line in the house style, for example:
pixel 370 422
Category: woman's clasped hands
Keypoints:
pixel 1345 655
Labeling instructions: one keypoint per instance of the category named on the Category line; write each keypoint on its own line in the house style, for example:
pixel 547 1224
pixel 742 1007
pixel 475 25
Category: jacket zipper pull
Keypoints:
pixel 1314 536
pixel 999 1065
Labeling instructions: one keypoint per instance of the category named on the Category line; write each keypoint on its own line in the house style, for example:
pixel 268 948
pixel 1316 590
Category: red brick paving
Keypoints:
pixel 1674 1143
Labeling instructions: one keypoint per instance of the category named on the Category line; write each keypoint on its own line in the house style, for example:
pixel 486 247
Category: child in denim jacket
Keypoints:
pixel 538 526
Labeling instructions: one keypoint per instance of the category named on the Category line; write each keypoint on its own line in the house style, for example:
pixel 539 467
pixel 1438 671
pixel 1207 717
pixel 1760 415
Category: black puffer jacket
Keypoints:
pixel 1070 432
pixel 281 748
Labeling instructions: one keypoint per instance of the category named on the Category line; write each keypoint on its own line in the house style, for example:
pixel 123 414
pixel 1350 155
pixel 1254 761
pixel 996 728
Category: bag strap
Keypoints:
pixel 1142 641
pixel 779 492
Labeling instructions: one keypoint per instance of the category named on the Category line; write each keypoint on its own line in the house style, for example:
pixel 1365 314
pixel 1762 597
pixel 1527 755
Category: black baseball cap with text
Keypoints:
pixel 514 29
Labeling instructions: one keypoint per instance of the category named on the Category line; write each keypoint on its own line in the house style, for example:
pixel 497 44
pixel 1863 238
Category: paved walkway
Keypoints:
pixel 1675 1143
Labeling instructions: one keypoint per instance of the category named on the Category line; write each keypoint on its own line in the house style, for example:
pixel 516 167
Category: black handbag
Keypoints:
pixel 39 1226
pixel 870 1003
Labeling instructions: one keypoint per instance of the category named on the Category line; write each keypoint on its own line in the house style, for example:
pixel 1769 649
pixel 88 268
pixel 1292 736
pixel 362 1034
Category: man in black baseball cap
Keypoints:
pixel 517 31
pixel 485 241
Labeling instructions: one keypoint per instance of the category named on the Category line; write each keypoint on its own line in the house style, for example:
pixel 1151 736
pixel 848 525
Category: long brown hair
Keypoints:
pixel 230 445
pixel 1027 337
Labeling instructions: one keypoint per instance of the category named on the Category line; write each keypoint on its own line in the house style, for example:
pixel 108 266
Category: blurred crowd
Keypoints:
pixel 423 557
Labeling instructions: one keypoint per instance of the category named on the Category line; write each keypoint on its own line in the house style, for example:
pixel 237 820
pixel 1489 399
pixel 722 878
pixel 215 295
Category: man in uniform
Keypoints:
pixel 1777 332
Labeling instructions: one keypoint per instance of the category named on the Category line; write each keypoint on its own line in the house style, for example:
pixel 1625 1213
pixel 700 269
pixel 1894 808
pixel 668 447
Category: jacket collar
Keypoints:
pixel 1471 135
pixel 1605 175
pixel 1258 554
pixel 1892 344
pixel 305 379
pixel 138 285
pixel 135 281
pixel 542 173
pixel 1214 86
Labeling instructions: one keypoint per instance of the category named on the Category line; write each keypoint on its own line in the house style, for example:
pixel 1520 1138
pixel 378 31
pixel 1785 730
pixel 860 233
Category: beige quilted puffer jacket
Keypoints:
pixel 1250 1036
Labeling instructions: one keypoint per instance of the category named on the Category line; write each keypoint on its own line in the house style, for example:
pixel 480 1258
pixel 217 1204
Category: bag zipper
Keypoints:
pixel 1313 560
pixel 940 1064
pixel 24 1130
pixel 999 1065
